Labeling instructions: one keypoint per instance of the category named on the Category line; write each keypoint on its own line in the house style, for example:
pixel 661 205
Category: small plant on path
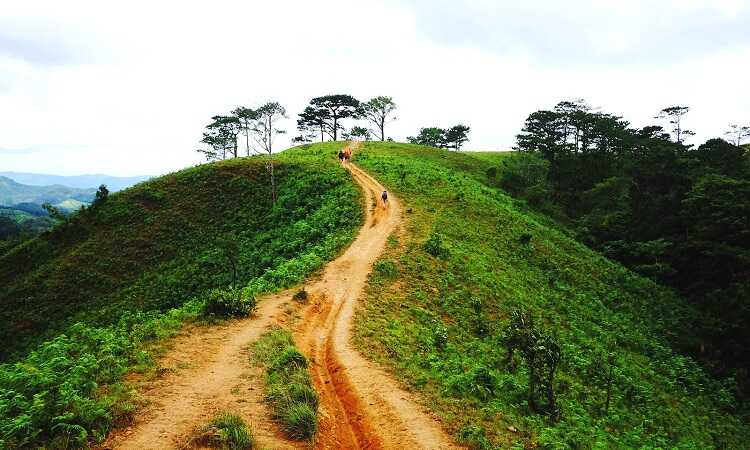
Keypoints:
pixel 226 431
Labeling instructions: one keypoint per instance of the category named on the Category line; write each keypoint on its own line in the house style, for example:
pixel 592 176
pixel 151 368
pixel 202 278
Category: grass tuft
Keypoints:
pixel 289 389
pixel 226 431
pixel 300 421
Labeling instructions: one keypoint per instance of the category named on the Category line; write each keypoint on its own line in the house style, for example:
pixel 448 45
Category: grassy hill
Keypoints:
pixel 101 286
pixel 81 303
pixel 440 300
pixel 155 246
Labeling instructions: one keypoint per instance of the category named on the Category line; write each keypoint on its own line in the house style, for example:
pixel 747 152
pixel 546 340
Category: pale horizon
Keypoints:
pixel 124 90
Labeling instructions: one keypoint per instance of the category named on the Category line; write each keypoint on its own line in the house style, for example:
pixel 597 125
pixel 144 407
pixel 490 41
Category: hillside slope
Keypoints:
pixel 108 286
pixel 163 242
pixel 440 300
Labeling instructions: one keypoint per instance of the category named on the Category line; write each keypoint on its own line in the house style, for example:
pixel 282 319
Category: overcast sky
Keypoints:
pixel 126 88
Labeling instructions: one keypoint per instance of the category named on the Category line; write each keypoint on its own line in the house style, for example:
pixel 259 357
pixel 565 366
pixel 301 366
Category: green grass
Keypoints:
pixel 289 389
pixel 441 296
pixel 84 304
pixel 226 431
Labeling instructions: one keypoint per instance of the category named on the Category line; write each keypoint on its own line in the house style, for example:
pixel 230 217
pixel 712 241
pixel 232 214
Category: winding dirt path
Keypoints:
pixel 361 406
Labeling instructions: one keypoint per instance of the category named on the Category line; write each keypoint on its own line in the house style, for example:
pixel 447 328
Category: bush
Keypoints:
pixel 68 391
pixel 440 336
pixel 434 246
pixel 228 303
pixel 483 383
pixel 386 269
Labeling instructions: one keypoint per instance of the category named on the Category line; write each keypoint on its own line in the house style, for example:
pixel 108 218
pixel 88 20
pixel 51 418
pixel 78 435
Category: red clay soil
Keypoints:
pixel 361 406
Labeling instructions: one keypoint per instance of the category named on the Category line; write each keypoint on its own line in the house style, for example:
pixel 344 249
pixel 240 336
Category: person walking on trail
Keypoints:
pixel 384 196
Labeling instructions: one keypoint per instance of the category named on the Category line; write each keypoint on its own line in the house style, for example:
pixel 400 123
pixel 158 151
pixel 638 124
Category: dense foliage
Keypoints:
pixel 678 214
pixel 439 311
pixel 103 285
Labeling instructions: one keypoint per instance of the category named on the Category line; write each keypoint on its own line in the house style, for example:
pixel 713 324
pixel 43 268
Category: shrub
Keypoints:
pixel 434 246
pixel 386 269
pixel 228 303
pixel 440 335
pixel 483 383
pixel 480 325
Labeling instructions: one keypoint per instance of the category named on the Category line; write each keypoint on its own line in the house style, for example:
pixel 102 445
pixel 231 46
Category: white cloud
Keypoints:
pixel 127 89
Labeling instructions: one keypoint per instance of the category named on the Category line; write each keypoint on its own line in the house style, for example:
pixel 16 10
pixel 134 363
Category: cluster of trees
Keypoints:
pixel 451 138
pixel 324 118
pixel 222 137
pixel 324 115
pixel 676 213
pixel 253 130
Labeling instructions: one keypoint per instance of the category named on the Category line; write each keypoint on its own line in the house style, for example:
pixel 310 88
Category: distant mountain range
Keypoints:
pixel 78 181
pixel 14 193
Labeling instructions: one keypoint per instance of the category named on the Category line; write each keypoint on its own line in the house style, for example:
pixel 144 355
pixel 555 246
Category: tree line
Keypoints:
pixel 452 138
pixel 667 209
pixel 324 118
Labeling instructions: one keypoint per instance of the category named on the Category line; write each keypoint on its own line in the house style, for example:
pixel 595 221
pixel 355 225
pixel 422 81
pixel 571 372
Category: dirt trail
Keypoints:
pixel 361 406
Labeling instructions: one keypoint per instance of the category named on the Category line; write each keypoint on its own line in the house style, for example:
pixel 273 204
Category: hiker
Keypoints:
pixel 384 196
